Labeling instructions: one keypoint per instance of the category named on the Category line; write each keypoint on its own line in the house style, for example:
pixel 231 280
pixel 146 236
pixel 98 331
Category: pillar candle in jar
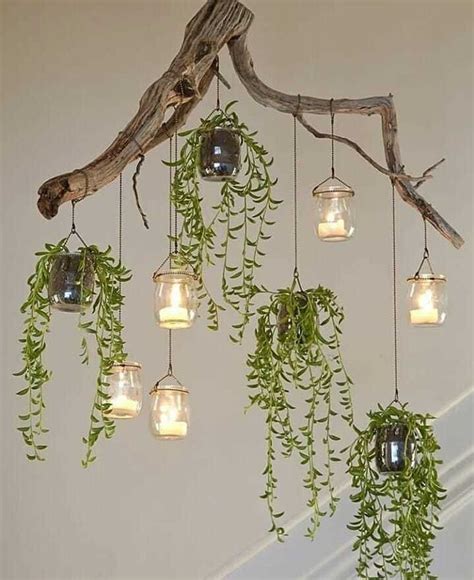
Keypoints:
pixel 123 406
pixel 424 316
pixel 332 229
pixel 174 314
pixel 174 429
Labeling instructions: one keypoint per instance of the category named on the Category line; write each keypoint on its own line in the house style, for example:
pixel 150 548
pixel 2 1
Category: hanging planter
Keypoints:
pixel 300 353
pixel 394 472
pixel 219 154
pixel 71 282
pixel 240 216
pixel 93 277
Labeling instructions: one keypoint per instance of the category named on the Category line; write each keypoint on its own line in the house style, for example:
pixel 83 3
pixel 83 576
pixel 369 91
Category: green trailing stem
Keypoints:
pixel 398 513
pixel 239 221
pixel 101 321
pixel 297 348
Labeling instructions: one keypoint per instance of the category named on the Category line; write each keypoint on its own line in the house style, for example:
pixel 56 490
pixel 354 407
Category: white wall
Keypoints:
pixel 72 75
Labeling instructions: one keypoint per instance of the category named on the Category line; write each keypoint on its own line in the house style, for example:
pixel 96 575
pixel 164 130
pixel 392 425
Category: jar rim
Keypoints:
pixel 332 191
pixel 125 364
pixel 434 277
pixel 174 387
pixel 158 275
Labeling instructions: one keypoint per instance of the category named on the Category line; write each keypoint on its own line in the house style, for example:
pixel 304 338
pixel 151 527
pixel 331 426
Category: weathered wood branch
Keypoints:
pixel 183 85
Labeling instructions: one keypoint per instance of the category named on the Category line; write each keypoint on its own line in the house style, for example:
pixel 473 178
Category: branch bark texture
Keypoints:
pixel 217 23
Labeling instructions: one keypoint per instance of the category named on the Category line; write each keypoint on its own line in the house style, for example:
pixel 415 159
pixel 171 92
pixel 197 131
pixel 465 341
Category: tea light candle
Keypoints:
pixel 424 316
pixel 123 406
pixel 174 314
pixel 174 429
pixel 332 229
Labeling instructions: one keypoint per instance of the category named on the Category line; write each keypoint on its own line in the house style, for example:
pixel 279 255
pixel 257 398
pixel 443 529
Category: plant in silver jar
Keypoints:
pixel 394 471
pixel 219 154
pixel 71 281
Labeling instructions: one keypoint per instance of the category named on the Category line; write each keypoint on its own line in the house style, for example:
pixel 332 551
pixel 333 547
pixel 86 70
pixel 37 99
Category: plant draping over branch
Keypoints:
pixel 297 349
pixel 102 322
pixel 183 85
pixel 398 512
pixel 241 215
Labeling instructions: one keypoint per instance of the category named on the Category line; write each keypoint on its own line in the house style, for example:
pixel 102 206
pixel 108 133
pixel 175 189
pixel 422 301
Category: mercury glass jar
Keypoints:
pixel 427 300
pixel 219 154
pixel 395 449
pixel 334 220
pixel 170 411
pixel 175 298
pixel 71 282
pixel 284 317
pixel 125 390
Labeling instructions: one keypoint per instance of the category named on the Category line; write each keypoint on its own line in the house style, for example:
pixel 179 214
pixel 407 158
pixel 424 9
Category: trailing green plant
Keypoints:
pixel 102 321
pixel 397 513
pixel 298 349
pixel 244 206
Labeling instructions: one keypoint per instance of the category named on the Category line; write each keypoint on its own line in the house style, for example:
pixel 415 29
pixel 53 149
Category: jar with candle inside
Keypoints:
pixel 427 300
pixel 175 297
pixel 125 391
pixel 170 411
pixel 334 219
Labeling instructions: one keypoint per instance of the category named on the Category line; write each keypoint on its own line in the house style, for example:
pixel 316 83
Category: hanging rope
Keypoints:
pixel 295 188
pixel 333 172
pixel 218 85
pixel 395 299
pixel 120 236
pixel 170 248
pixel 426 252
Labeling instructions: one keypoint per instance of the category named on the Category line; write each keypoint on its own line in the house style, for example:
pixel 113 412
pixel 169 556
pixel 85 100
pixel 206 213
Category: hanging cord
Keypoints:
pixel 295 194
pixel 218 85
pixel 426 252
pixel 333 172
pixel 120 244
pixel 395 299
pixel 73 231
pixel 170 241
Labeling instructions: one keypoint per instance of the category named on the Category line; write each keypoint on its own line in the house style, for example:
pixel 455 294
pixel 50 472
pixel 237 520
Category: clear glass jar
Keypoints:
pixel 395 449
pixel 71 282
pixel 175 298
pixel 125 390
pixel 427 300
pixel 334 220
pixel 170 412
pixel 219 154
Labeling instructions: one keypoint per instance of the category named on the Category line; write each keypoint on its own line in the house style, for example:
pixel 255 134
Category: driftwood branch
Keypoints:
pixel 183 85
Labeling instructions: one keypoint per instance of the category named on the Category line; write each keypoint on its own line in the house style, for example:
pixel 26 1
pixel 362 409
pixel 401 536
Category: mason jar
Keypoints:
pixel 170 411
pixel 219 154
pixel 427 300
pixel 71 282
pixel 125 390
pixel 334 219
pixel 395 449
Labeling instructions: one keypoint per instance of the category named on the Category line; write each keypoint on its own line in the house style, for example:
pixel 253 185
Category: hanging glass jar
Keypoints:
pixel 170 411
pixel 71 281
pixel 427 299
pixel 219 154
pixel 125 390
pixel 395 448
pixel 334 220
pixel 175 296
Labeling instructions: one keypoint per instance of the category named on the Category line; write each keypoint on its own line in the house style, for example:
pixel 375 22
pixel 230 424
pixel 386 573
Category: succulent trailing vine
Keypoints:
pixel 397 515
pixel 244 206
pixel 102 322
pixel 298 349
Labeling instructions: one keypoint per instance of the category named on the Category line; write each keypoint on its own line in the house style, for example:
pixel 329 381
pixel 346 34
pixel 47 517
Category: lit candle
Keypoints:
pixel 123 406
pixel 424 316
pixel 174 314
pixel 174 429
pixel 332 229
